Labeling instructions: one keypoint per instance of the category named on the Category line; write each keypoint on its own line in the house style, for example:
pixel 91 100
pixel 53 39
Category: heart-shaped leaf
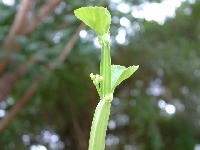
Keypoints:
pixel 97 18
pixel 120 73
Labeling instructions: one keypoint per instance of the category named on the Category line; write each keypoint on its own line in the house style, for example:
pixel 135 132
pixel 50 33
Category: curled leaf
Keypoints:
pixel 120 73
pixel 97 18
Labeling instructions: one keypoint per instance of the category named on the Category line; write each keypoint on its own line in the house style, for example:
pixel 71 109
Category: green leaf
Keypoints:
pixel 120 73
pixel 97 18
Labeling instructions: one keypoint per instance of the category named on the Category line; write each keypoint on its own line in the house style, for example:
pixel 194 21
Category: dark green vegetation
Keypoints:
pixel 61 98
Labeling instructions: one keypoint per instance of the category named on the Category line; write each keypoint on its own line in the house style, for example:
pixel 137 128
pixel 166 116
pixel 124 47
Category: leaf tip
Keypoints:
pixel 136 67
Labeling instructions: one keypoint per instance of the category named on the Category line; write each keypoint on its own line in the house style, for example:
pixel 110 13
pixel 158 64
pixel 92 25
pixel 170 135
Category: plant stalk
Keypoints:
pixel 99 126
pixel 105 65
pixel 102 112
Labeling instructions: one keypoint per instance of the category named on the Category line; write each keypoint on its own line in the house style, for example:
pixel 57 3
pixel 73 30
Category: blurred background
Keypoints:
pixel 47 100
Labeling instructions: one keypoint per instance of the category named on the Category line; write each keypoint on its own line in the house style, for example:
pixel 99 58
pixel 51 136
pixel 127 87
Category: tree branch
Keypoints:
pixel 44 11
pixel 33 88
pixel 8 81
pixel 22 25
pixel 19 104
pixel 68 47
pixel 78 130
pixel 19 21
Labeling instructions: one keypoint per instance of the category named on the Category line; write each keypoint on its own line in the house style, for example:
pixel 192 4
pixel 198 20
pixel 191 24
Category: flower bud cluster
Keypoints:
pixel 96 78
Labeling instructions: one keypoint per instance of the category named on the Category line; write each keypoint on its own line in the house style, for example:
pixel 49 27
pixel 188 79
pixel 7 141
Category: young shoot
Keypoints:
pixel 99 20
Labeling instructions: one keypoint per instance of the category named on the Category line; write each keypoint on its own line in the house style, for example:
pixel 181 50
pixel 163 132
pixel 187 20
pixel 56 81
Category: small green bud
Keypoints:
pixel 92 76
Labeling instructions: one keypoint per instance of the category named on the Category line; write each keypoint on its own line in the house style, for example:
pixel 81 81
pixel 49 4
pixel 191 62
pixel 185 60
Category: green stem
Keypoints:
pixel 105 65
pixel 99 19
pixel 102 112
pixel 99 126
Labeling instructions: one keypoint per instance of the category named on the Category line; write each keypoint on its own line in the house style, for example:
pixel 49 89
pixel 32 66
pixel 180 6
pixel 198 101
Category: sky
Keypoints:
pixel 151 11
